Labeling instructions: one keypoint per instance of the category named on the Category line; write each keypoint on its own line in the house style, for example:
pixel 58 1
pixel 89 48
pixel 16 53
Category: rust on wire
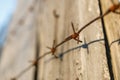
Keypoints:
pixel 74 36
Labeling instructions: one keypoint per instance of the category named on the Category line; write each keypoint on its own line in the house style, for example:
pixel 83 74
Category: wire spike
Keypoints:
pixel 73 27
pixel 54 42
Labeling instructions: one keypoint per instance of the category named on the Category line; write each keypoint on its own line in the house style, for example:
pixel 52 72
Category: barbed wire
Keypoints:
pixel 74 35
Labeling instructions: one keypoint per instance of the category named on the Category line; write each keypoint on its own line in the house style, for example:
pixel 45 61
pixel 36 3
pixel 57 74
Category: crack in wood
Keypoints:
pixel 106 45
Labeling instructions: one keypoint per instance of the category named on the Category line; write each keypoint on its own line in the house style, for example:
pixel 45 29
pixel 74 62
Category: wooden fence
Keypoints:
pixel 34 27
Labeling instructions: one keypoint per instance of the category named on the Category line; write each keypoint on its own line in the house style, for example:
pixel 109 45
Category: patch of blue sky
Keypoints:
pixel 7 8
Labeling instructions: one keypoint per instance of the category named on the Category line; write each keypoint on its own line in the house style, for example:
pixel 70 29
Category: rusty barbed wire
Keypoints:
pixel 74 36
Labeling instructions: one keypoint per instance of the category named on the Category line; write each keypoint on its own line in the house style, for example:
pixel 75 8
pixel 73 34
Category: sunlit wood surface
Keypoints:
pixel 34 24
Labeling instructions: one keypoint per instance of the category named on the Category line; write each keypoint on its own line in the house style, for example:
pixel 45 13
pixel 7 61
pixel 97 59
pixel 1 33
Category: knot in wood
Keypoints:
pixel 13 78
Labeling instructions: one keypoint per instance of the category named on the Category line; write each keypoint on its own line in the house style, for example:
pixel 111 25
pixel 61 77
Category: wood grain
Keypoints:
pixel 112 25
pixel 19 48
pixel 84 61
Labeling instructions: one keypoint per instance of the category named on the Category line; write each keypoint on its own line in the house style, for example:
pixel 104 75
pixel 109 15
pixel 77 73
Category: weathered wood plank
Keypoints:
pixel 50 29
pixel 112 25
pixel 20 44
pixel 84 61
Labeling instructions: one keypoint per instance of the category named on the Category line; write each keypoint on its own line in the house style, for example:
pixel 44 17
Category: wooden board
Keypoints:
pixel 20 44
pixel 84 61
pixel 112 25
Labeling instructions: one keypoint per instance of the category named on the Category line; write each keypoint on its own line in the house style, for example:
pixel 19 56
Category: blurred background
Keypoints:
pixel 7 8
pixel 17 37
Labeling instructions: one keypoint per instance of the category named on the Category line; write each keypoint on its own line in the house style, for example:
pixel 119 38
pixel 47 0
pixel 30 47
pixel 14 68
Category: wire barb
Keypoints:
pixel 74 36
pixel 73 27
pixel 55 14
pixel 53 49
